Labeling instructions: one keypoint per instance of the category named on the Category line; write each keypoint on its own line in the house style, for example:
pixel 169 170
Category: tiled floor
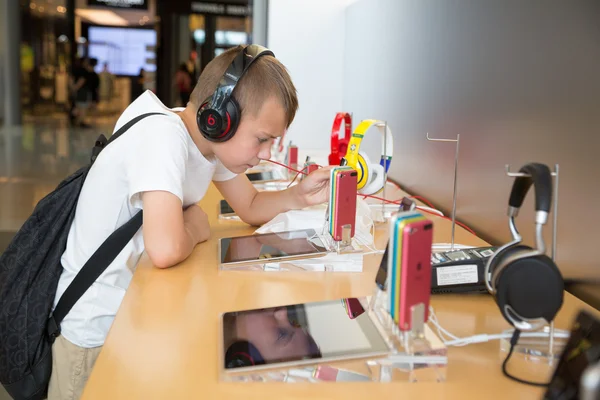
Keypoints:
pixel 34 158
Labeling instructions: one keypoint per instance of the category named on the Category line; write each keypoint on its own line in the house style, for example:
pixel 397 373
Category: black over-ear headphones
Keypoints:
pixel 525 282
pixel 219 116
pixel 242 354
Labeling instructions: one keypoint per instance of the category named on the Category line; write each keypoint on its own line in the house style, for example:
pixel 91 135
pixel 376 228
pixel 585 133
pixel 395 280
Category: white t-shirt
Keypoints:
pixel 157 153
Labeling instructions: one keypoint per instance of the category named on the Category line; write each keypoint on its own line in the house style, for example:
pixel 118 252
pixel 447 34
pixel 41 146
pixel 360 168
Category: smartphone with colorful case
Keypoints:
pixel 381 278
pixel 353 307
pixel 415 270
pixel 397 221
pixel 342 201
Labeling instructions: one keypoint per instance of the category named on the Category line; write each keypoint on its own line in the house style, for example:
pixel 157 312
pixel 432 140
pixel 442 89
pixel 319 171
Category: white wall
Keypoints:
pixel 514 86
pixel 308 37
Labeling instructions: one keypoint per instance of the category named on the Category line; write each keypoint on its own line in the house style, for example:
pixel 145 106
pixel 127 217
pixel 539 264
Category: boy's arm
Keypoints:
pixel 257 208
pixel 170 233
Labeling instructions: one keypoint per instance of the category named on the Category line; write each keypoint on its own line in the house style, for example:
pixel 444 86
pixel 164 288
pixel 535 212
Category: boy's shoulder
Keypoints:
pixel 147 102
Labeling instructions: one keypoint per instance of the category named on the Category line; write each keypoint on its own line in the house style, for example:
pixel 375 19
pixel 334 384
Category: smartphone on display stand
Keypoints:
pixel 342 203
pixel 409 261
pixel 382 273
pixel 386 275
pixel 415 275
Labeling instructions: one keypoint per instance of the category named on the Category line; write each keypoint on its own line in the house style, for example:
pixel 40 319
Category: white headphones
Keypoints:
pixel 371 176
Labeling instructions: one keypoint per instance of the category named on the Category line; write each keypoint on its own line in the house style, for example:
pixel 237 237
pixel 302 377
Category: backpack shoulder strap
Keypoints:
pixel 101 258
pixel 92 269
pixel 102 142
pixel 129 124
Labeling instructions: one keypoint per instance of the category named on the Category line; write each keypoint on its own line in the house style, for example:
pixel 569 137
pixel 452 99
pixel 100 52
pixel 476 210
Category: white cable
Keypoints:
pixel 486 338
pixel 457 246
pixel 482 338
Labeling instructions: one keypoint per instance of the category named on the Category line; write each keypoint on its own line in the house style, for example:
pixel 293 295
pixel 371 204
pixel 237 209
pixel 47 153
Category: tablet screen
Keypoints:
pixel 263 176
pixel 299 334
pixel 278 245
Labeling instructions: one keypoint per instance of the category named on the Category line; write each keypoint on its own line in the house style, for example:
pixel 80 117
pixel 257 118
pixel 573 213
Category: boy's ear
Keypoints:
pixel 281 139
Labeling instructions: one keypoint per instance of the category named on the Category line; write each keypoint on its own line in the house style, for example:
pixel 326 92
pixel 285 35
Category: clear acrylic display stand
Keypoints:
pixel 419 354
pixel 415 356
pixel 547 349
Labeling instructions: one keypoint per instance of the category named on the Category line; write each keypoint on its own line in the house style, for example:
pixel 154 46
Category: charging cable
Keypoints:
pixel 450 339
pixel 513 342
pixel 429 210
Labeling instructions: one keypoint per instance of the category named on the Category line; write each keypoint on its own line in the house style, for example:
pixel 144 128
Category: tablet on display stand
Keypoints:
pixel 322 342
pixel 268 248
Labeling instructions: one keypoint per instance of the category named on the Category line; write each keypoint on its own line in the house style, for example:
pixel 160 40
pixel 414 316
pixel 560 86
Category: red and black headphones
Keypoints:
pixel 242 354
pixel 340 146
pixel 219 116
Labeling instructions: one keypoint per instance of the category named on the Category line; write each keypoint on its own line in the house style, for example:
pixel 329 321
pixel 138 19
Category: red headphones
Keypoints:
pixel 339 147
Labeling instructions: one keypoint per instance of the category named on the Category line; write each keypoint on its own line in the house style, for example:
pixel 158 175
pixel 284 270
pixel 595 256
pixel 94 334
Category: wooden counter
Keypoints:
pixel 164 341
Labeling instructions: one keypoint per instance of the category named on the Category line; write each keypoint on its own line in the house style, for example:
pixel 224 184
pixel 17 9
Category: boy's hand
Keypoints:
pixel 314 188
pixel 196 223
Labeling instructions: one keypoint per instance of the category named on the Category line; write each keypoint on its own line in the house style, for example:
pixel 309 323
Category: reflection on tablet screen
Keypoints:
pixel 302 333
pixel 264 176
pixel 270 245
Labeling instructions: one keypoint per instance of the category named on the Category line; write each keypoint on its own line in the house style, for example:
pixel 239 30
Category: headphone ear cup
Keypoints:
pixel 532 286
pixel 343 146
pixel 362 168
pixel 376 179
pixel 242 354
pixel 334 159
pixel 216 127
pixel 498 257
pixel 232 115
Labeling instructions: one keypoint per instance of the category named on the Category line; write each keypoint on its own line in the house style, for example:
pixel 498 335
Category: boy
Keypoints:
pixel 163 165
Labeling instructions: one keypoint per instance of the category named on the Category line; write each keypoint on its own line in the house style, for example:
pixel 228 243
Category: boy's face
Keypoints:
pixel 253 139
pixel 270 331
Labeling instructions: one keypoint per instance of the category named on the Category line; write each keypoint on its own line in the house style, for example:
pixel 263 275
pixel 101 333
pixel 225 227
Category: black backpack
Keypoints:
pixel 29 272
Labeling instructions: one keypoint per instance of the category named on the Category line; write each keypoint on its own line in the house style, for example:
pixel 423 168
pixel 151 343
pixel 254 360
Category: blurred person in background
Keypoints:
pixel 183 82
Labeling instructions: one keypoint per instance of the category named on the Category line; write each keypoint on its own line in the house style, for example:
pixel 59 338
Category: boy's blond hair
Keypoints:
pixel 266 77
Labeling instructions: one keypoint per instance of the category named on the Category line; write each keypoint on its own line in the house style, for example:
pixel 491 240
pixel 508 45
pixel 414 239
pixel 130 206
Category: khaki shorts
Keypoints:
pixel 71 368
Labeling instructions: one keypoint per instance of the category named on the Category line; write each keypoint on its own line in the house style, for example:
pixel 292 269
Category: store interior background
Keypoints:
pixel 517 80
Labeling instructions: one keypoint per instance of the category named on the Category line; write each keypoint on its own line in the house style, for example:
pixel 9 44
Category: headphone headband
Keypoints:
pixel 335 131
pixel 541 178
pixel 387 144
pixel 234 73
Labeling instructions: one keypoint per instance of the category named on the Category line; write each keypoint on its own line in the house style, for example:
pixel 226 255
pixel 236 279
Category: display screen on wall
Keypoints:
pixel 133 4
pixel 126 50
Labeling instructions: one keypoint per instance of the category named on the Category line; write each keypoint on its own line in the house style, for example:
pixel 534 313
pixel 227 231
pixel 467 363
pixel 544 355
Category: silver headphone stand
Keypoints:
pixel 457 141
pixel 533 350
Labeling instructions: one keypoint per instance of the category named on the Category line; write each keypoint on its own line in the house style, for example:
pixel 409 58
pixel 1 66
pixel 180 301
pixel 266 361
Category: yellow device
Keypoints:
pixel 371 177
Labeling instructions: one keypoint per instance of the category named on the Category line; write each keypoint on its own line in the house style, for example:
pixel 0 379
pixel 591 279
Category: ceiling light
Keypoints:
pixel 101 17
